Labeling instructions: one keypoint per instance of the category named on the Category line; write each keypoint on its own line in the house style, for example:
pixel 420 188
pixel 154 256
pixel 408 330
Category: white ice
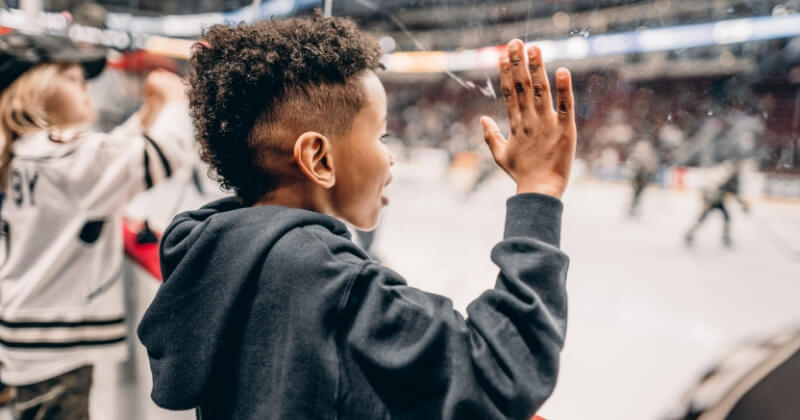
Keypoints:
pixel 647 316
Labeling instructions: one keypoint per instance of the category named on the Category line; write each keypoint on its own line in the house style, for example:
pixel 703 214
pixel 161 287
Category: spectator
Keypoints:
pixel 61 298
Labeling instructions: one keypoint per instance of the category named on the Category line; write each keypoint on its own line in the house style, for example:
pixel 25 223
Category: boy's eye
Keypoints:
pixel 385 137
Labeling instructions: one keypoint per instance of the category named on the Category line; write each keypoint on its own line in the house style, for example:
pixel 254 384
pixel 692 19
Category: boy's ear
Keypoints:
pixel 313 154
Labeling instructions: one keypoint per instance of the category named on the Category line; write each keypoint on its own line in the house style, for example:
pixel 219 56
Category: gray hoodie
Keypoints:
pixel 274 313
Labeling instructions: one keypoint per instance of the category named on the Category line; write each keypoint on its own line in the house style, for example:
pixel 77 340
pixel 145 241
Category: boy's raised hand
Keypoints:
pixel 538 153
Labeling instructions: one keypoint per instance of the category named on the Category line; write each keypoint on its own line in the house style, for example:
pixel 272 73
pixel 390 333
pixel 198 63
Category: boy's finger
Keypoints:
pixel 564 99
pixel 507 86
pixel 491 133
pixel 541 86
pixel 520 77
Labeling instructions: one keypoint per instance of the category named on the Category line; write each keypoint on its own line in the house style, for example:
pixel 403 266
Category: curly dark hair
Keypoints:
pixel 255 87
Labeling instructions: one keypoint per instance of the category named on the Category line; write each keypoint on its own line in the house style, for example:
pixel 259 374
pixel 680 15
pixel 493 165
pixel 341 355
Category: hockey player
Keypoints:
pixel 642 164
pixel 714 197
pixel 61 298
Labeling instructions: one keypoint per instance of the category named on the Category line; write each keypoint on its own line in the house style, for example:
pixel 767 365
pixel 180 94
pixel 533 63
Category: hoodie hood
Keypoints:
pixel 208 258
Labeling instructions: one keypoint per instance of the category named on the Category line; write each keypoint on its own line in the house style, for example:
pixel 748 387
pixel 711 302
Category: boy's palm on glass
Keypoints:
pixel 538 153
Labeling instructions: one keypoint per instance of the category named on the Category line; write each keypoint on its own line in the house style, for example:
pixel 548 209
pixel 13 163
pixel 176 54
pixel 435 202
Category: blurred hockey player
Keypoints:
pixel 642 165
pixel 714 197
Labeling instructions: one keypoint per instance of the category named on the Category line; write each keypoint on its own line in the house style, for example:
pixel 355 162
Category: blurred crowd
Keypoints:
pixel 681 120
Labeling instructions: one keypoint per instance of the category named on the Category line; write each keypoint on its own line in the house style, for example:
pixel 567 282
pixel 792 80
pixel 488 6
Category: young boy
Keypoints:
pixel 269 310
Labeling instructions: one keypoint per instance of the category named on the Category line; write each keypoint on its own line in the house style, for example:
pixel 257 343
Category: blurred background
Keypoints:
pixel 682 221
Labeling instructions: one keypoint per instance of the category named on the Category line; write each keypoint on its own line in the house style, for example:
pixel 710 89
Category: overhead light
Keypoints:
pixel 387 44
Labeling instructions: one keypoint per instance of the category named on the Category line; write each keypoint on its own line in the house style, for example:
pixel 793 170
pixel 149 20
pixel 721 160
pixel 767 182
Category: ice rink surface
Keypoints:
pixel 647 315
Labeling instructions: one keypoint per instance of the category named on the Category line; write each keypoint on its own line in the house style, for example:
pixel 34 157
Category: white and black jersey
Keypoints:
pixel 61 298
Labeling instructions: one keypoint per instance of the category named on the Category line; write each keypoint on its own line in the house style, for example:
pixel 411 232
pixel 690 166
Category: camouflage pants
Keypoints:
pixel 63 397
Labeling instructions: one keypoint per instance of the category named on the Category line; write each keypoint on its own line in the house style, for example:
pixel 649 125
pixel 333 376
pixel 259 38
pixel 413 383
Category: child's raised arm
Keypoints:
pixel 424 359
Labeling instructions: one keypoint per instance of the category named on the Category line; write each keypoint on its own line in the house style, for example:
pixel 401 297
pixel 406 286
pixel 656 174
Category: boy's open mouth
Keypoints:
pixel 384 199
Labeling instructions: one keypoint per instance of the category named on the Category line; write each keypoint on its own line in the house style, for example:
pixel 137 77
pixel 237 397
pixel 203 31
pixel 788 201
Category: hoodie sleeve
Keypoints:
pixel 424 359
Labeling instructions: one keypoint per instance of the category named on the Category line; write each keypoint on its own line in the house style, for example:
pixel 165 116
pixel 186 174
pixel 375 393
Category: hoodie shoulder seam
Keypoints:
pixel 357 267
pixel 355 273
pixel 318 238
